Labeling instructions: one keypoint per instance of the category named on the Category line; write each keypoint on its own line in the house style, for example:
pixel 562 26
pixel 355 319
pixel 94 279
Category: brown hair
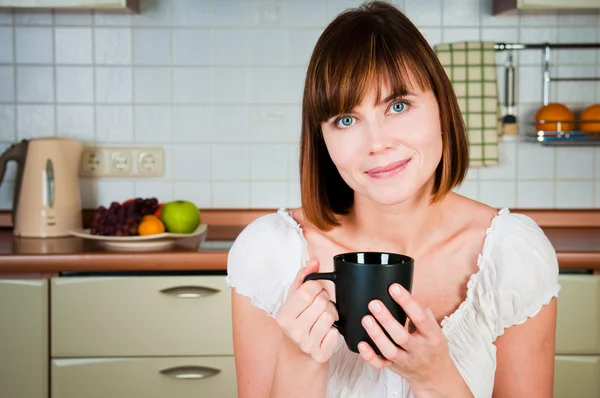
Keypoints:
pixel 372 44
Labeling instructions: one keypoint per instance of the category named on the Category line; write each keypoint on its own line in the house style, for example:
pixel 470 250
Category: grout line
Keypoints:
pixel 55 74
pixel 14 66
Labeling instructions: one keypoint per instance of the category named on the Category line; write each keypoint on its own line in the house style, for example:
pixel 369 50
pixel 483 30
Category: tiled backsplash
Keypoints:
pixel 218 84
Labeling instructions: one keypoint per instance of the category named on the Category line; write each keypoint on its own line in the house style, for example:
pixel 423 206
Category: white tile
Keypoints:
pixel 192 85
pixel 35 121
pixel 535 194
pixel 72 17
pixel 7 190
pixel 576 92
pixel 295 85
pixel 192 162
pixel 335 7
pixel 230 47
pixel 32 16
pixel 192 12
pixel 161 190
pixel 74 84
pixel 114 85
pixel 112 45
pixel 294 162
pixel 8 130
pixel 510 18
pixel 6 16
pixel 7 82
pixel 268 194
pixel 230 13
pixel 10 172
pixel 6 45
pixel 536 35
pixel 33 45
pixel 230 162
pixel 574 163
pixel 114 123
pixel 108 191
pixel 451 35
pixel 153 123
pixel 268 123
pixel 152 46
pixel 153 13
pixel 577 35
pixel 231 123
pixel 168 162
pixel 75 121
pixel 424 13
pixel 231 194
pixel 192 123
pixel 506 168
pixel 597 202
pixel 294 195
pixel 193 47
pixel 472 174
pixel 197 192
pixel 432 35
pixel 152 85
pixel 498 193
pixel 267 46
pixel 535 162
pixel 300 45
pixel 294 123
pixel 73 45
pixel 470 189
pixel 506 35
pixel 577 17
pixel 268 161
pixel 35 84
pixel 529 84
pixel 461 13
pixel 574 194
pixel 538 18
pixel 87 190
pixel 231 85
pixel 307 13
pixel 111 18
pixel 597 163
pixel 266 12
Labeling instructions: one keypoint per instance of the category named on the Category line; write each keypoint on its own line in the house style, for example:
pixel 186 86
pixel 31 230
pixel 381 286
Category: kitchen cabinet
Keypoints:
pixel 74 4
pixel 499 6
pixel 23 338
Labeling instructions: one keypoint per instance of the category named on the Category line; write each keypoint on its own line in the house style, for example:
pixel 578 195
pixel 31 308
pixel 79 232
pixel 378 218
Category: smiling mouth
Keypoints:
pixel 389 170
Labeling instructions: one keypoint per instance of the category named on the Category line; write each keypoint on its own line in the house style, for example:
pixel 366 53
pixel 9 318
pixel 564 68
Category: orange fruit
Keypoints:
pixel 151 225
pixel 157 211
pixel 589 119
pixel 548 116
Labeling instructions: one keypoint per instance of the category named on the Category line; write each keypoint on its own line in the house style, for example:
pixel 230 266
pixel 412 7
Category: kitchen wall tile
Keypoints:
pixel 112 45
pixel 194 47
pixel 294 122
pixel 111 18
pixel 74 84
pixel 233 85
pixel 451 35
pixel 35 84
pixel 574 163
pixel 547 34
pixel 192 12
pixel 108 191
pixel 576 92
pixel 169 161
pixel 6 45
pixel 231 13
pixel 114 85
pixel 230 47
pixel 231 194
pixel 577 35
pixel 295 85
pixel 153 13
pixel 307 13
pixel 300 45
pixel 32 17
pixel 266 13
pixel 193 123
pixel 230 162
pixel 161 190
pixel 529 84
pixel 33 45
pixel 424 13
pixel 461 13
pixel 535 194
pixel 192 162
pixel 294 195
pixel 6 17
pixel 7 82
pixel 114 123
pixel 597 195
pixel 87 190
pixel 498 193
pixel 268 194
pixel 574 194
pixel 7 189
pixel 268 161
pixel 198 192
pixel 8 132
pixel 577 17
pixel 152 85
pixel 75 121
pixel 153 123
pixel 152 46
pixel 538 18
pixel 535 162
pixel 73 45
pixel 432 35
pixel 35 121
pixel 72 17
pixel 294 162
pixel 267 46
pixel 506 35
pixel 266 85
pixel 470 189
pixel 268 123
pixel 507 165
pixel 11 167
pixel 231 123
pixel 472 174
pixel 596 163
pixel 193 85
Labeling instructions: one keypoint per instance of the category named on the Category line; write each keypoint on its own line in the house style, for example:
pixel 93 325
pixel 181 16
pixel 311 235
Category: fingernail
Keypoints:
pixel 375 306
pixel 368 322
pixel 396 290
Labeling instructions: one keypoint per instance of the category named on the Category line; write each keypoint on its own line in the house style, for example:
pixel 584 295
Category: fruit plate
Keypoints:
pixel 147 242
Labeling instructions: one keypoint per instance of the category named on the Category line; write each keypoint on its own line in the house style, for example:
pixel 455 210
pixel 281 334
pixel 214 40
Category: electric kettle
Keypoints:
pixel 46 199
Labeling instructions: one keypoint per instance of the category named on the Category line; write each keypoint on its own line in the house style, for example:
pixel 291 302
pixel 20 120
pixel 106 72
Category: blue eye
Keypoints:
pixel 398 107
pixel 345 121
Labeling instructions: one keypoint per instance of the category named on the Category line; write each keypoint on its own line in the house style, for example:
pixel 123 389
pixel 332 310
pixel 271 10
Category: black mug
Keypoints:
pixel 359 278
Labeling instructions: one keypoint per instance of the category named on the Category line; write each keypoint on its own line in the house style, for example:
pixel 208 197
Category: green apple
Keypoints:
pixel 180 216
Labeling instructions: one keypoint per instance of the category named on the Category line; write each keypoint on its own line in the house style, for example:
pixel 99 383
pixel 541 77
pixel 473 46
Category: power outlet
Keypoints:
pixel 122 162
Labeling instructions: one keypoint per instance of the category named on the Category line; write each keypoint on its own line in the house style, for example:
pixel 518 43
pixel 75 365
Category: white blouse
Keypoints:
pixel 517 275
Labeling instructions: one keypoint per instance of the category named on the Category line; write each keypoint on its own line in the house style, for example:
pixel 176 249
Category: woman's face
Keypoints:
pixel 387 150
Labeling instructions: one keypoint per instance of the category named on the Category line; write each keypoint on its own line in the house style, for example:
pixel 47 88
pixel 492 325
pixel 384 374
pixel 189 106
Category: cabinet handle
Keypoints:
pixel 190 372
pixel 190 291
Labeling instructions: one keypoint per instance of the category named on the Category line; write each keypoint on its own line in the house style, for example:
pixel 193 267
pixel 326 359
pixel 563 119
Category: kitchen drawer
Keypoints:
pixel 577 376
pixel 578 322
pixel 140 316
pixel 191 377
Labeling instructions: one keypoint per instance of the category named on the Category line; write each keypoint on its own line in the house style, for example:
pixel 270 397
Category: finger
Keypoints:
pixel 397 332
pixel 302 299
pixel 322 325
pixel 328 346
pixel 309 316
pixel 370 356
pixel 312 266
pixel 385 345
pixel 422 321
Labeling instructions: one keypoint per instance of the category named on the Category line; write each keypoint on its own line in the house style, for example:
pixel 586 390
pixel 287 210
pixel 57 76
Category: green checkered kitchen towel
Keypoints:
pixel 471 67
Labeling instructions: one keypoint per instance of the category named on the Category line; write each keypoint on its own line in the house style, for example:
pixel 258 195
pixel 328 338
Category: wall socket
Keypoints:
pixel 122 162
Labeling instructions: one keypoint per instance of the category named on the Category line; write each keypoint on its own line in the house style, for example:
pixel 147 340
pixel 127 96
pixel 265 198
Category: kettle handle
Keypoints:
pixel 18 153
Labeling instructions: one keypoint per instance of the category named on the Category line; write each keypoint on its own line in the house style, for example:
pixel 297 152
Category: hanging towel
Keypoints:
pixel 471 67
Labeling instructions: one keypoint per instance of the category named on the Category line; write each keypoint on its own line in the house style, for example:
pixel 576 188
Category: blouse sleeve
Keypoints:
pixel 264 260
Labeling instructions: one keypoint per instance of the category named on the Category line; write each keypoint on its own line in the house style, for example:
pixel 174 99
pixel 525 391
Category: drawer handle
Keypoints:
pixel 190 291
pixel 190 372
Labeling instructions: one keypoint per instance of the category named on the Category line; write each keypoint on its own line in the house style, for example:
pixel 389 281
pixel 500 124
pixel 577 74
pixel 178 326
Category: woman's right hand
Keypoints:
pixel 307 316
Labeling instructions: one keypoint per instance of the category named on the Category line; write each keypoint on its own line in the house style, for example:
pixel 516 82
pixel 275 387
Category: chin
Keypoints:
pixel 390 197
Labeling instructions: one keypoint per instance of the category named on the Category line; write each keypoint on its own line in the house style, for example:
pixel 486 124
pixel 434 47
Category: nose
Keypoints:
pixel 379 135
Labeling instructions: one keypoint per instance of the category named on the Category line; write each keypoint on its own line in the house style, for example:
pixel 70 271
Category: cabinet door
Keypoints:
pixel 191 377
pixel 577 376
pixel 558 4
pixel 23 338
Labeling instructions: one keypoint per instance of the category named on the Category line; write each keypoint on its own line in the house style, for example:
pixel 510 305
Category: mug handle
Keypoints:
pixel 330 276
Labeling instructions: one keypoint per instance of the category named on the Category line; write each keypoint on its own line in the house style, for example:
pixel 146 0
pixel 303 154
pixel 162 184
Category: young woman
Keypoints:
pixel 383 145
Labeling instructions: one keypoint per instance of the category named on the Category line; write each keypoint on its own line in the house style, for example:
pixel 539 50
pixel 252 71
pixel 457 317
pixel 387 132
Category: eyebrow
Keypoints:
pixel 394 96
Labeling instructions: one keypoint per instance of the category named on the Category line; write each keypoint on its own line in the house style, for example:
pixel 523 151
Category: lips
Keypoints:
pixel 389 170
